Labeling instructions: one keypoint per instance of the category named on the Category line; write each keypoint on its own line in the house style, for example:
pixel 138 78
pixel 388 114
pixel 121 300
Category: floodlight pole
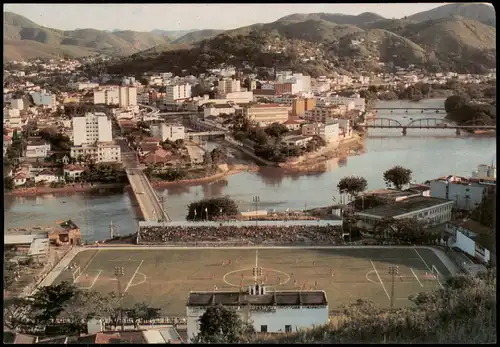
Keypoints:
pixel 119 272
pixel 393 270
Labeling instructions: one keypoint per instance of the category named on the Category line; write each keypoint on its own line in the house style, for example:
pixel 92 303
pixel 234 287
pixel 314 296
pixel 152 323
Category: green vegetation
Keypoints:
pixel 352 185
pixel 210 209
pixel 65 302
pixel 397 176
pixel 219 324
pixel 25 39
pixel 462 111
pixel 103 174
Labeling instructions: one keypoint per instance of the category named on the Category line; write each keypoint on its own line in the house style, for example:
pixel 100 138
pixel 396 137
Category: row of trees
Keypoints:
pixel 210 209
pixel 463 312
pixel 103 174
pixel 64 302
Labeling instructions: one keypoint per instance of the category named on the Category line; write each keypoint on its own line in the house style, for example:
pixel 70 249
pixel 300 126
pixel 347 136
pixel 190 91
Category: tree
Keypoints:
pixel 352 185
pixel 276 130
pixel 142 311
pixel 397 176
pixel 49 301
pixel 209 209
pixel 222 325
pixel 219 156
pixel 455 102
pixel 8 183
pixel 82 307
pixel 15 313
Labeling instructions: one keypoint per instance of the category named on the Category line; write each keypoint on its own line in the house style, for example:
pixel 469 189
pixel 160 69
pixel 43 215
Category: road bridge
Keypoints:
pixel 149 203
pixel 410 109
pixel 425 123
pixel 190 136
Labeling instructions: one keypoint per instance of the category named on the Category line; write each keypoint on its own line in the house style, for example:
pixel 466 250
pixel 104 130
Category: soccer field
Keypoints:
pixel 163 277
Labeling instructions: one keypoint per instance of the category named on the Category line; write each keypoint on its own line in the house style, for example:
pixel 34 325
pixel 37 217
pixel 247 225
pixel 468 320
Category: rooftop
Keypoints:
pixel 411 204
pixel 278 298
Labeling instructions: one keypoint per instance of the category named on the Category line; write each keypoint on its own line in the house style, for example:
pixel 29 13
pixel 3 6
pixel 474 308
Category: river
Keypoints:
pixel 428 153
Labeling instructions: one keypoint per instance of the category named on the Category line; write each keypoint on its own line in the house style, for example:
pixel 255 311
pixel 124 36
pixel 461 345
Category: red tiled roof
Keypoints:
pixel 74 167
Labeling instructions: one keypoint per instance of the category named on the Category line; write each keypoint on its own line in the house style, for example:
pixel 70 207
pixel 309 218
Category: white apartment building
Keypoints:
pixel 485 171
pixel 228 85
pixel 37 149
pixel 328 132
pixel 83 85
pixel 322 114
pixel 107 96
pixel 127 96
pixel 17 104
pixel 431 210
pixel 300 83
pixel 143 98
pixel 267 114
pixel 268 312
pixel 359 103
pixel 171 132
pixel 464 193
pixel 238 97
pixel 43 98
pixel 102 153
pixel 216 110
pixel 91 128
pixel 177 93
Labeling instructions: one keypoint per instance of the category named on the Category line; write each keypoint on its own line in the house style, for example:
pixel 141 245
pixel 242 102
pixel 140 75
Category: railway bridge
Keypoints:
pixel 425 123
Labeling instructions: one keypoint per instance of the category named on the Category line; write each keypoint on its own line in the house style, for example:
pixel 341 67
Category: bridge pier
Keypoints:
pixel 404 131
pixel 458 132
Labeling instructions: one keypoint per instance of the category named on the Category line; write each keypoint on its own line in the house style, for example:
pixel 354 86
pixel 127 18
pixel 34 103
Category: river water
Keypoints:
pixel 428 153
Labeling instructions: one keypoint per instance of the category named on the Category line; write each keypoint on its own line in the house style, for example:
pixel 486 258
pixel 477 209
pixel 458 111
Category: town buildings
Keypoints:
pixel 37 148
pixel 268 311
pixel 228 85
pixel 267 114
pixel 171 132
pixel 325 113
pixel 328 132
pixel 107 96
pixel 430 210
pixel 301 105
pixel 466 235
pixel 100 153
pixel 465 193
pixel 91 128
pixel 176 94
pixel 127 96
pixel 43 98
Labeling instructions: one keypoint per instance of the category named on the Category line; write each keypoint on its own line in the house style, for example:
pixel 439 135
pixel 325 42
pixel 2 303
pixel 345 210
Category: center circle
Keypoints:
pixel 245 277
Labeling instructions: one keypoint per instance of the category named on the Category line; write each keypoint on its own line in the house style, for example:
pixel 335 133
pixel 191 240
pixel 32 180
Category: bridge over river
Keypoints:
pixel 150 205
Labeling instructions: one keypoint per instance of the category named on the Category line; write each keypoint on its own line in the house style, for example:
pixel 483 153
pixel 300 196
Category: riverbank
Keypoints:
pixel 69 189
pixel 315 161
pixel 233 170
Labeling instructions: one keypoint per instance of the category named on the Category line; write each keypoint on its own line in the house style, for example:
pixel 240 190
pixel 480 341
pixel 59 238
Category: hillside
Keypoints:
pixel 480 12
pixel 197 36
pixel 313 43
pixel 26 40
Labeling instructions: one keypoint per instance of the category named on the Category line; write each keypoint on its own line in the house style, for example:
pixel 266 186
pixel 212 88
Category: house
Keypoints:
pixel 296 140
pixel 293 124
pixel 37 148
pixel 432 210
pixel 73 171
pixel 20 178
pixel 65 233
pixel 159 156
pixel 7 142
pixel 46 176
pixel 466 193
pixel 268 311
pixel 469 236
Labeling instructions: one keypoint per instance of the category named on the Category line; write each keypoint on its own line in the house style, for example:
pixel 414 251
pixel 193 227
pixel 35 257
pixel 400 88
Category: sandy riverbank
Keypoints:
pixel 69 189
pixel 236 169
pixel 315 162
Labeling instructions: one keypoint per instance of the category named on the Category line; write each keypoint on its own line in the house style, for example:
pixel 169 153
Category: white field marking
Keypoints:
pixel 428 268
pixel 86 266
pixel 370 280
pixel 382 283
pixel 93 282
pixel 250 269
pixel 143 279
pixel 132 278
pixel 413 272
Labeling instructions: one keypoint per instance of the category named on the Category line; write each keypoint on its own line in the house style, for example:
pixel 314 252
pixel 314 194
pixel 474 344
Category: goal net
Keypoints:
pixel 76 273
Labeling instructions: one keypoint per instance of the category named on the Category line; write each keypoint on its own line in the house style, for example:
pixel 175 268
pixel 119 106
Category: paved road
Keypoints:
pixel 146 196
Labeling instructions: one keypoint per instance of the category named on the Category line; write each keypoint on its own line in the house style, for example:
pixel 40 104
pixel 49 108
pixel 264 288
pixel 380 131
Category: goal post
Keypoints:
pixel 76 273
pixel 437 274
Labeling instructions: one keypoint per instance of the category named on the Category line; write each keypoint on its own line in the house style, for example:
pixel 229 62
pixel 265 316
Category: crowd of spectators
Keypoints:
pixel 258 234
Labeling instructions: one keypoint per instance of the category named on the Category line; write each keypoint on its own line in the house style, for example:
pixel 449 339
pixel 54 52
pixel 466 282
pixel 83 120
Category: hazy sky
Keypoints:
pixel 189 16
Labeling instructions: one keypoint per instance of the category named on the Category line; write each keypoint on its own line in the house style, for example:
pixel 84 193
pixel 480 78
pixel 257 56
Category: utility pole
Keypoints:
pixel 119 272
pixel 256 200
pixel 393 271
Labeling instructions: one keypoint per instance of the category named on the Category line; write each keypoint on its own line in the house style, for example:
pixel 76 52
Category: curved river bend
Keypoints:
pixel 428 153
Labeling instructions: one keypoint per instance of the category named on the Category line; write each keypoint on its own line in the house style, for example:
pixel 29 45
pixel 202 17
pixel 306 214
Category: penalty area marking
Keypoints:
pixel 250 269
pixel 141 282
pixel 93 282
pixel 132 278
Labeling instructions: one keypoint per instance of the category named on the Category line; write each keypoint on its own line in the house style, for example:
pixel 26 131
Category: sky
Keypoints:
pixel 147 17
